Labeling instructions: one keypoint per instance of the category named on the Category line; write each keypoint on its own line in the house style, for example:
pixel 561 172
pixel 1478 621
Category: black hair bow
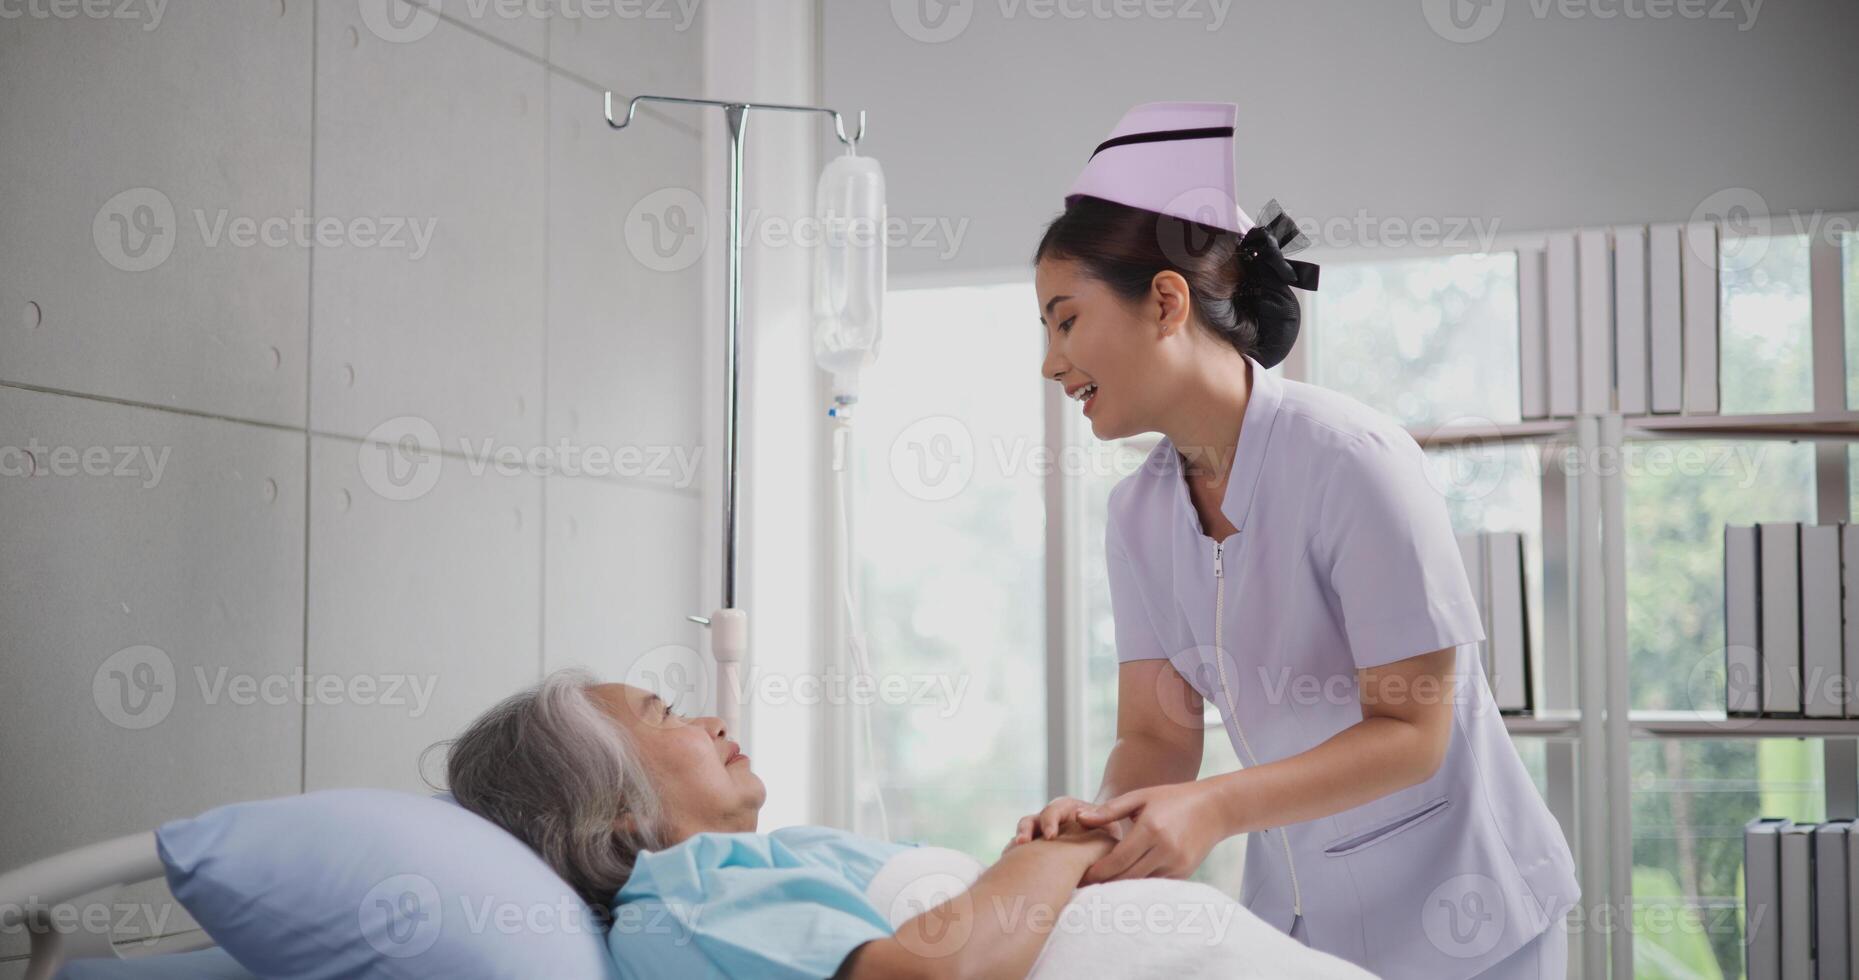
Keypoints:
pixel 1267 277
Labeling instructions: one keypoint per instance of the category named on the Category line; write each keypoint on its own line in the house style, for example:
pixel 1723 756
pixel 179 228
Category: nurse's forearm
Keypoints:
pixel 1359 764
pixel 994 929
pixel 1141 760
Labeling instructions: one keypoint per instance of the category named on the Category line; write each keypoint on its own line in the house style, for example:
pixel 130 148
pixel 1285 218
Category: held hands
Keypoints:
pixel 1162 831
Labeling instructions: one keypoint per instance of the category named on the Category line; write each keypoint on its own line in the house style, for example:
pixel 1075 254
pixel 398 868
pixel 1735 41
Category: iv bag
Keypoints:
pixel 848 271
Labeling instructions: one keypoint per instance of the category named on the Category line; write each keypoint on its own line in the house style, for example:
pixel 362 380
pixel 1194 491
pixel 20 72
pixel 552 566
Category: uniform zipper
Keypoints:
pixel 1226 693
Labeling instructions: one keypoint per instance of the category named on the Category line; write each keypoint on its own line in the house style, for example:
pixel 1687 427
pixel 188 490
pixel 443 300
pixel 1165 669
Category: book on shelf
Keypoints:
pixel 1849 600
pixel 1494 565
pixel 1822 681
pixel 1532 380
pixel 1664 318
pixel 1699 286
pixel 1796 907
pixel 1780 589
pixel 1630 360
pixel 1594 276
pixel 1560 326
pixel 1833 907
pixel 1762 867
pixel 1508 628
pixel 1742 623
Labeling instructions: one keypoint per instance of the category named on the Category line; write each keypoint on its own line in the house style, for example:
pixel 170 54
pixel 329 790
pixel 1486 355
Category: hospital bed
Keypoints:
pixel 76 879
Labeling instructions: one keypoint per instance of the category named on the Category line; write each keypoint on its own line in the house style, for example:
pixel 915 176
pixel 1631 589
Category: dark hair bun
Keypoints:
pixel 1266 277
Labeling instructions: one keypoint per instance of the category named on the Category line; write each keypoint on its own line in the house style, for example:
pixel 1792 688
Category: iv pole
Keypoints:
pixel 729 625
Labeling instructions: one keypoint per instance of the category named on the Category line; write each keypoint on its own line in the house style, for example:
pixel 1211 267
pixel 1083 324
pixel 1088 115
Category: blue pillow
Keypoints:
pixel 359 883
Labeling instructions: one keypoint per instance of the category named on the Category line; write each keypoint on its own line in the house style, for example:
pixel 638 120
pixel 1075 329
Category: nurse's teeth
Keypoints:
pixel 1085 393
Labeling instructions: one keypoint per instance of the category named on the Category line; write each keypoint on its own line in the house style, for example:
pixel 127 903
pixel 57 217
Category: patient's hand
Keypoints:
pixel 1049 821
pixel 1071 831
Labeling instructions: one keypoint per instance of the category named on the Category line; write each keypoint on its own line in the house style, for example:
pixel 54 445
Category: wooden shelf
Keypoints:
pixel 1795 425
pixel 1689 724
pixel 1444 436
pixel 1790 426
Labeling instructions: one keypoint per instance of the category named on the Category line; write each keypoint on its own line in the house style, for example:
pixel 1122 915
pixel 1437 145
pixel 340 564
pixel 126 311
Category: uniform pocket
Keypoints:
pixel 1375 835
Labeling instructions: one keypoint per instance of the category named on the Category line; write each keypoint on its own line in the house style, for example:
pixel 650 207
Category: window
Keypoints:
pixel 1426 340
pixel 1679 496
pixel 1765 327
pixel 1691 798
pixel 950 527
pixel 1498 488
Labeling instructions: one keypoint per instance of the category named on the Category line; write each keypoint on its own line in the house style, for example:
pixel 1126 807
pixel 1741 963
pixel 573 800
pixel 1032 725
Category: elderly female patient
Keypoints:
pixel 654 815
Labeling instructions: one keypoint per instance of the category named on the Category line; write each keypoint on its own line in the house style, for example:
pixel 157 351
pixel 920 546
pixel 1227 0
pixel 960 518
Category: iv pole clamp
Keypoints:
pixel 729 625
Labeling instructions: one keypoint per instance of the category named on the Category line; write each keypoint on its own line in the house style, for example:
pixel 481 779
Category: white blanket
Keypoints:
pixel 1150 927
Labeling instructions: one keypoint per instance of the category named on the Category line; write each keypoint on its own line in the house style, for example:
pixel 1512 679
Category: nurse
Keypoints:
pixel 1283 554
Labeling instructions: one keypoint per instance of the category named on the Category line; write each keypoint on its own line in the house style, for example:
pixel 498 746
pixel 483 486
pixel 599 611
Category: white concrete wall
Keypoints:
pixel 983 111
pixel 255 534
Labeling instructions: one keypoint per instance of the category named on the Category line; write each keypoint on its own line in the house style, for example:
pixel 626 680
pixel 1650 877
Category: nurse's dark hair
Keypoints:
pixel 1125 247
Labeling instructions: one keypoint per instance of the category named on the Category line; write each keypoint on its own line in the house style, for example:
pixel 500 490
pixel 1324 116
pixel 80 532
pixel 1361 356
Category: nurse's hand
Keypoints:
pixel 1174 827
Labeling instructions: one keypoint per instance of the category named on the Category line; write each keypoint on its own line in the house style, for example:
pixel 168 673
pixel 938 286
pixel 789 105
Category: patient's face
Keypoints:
pixel 702 782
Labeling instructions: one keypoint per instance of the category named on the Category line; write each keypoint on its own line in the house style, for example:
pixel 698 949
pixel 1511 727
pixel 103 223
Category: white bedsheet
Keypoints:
pixel 1151 927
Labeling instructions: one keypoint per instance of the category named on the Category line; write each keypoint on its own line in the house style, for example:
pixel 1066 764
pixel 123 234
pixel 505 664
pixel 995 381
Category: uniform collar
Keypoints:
pixel 1249 458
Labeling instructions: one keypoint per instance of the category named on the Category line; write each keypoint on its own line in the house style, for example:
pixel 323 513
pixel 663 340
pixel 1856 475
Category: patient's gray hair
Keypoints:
pixel 549 766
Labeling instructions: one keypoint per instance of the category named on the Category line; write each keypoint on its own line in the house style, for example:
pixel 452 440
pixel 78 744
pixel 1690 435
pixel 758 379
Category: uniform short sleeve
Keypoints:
pixel 1385 543
pixel 776 922
pixel 1136 635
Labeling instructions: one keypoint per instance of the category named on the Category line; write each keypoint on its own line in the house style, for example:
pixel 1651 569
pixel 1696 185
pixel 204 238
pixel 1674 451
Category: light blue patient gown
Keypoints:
pixel 785 904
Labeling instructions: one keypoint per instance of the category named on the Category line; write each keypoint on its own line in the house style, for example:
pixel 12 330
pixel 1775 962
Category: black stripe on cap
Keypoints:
pixel 1160 136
